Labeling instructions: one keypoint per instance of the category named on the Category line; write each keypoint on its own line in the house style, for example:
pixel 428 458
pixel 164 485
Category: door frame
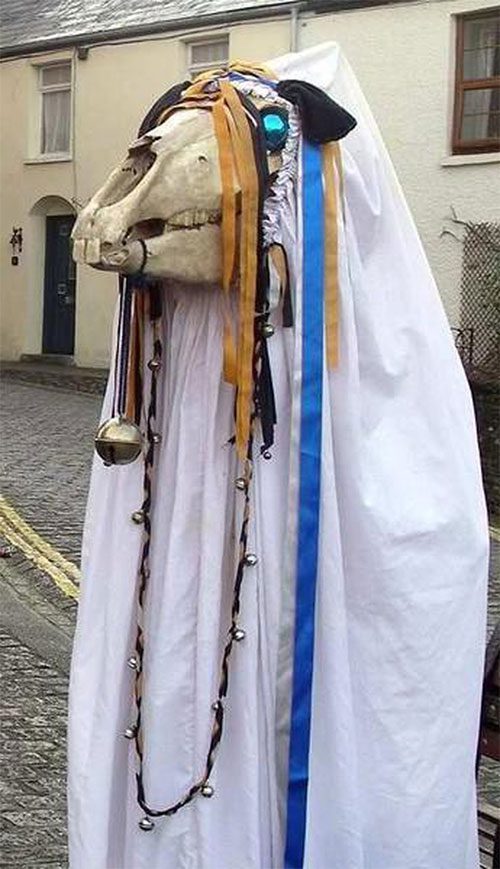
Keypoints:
pixel 34 260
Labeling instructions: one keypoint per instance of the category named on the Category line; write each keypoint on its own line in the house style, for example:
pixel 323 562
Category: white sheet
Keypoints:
pixel 401 591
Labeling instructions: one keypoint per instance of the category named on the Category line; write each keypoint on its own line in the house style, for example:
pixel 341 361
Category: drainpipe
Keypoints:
pixel 294 27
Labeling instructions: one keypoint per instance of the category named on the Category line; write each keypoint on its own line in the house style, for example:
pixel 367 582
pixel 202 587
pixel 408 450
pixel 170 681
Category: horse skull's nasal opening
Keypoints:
pixel 146 229
pixel 192 218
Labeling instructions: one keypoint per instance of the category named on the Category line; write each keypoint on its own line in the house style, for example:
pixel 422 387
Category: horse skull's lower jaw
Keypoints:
pixel 185 255
pixel 122 257
pixel 126 258
pixel 128 255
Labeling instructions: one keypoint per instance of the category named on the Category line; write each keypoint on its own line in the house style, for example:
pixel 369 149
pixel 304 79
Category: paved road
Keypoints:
pixel 32 749
pixel 46 454
pixel 46 451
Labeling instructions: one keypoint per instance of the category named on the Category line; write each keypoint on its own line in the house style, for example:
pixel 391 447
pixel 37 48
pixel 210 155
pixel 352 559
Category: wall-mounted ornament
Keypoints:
pixel 16 243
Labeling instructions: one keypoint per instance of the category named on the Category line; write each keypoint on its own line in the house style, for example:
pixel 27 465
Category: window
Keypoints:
pixel 207 54
pixel 54 83
pixel 477 90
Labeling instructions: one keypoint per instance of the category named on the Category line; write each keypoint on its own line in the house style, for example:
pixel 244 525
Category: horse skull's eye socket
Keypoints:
pixel 276 126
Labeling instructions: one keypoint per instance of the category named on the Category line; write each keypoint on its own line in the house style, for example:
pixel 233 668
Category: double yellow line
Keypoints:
pixel 13 528
pixel 64 573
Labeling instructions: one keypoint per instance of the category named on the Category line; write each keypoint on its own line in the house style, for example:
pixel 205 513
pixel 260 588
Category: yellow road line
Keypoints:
pixel 37 550
pixel 28 533
pixel 21 535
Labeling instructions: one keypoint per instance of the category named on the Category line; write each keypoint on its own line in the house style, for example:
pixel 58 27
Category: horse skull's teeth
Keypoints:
pixel 189 219
pixel 79 250
pixel 93 251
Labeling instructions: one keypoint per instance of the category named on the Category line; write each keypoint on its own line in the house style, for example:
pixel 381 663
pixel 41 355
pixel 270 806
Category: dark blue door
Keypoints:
pixel 60 286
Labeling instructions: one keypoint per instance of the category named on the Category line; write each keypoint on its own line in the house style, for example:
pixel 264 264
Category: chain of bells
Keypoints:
pixel 120 441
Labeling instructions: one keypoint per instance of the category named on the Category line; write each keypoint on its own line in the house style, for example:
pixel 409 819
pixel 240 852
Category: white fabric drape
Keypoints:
pixel 400 615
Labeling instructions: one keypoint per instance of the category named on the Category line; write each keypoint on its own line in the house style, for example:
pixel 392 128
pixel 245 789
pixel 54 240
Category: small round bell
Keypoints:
pixel 216 705
pixel 154 364
pixel 156 437
pixel 238 634
pixel 240 484
pixel 132 663
pixel 118 441
pixel 146 824
pixel 129 733
pixel 251 559
pixel 138 517
pixel 207 790
pixel 268 330
pixel 267 455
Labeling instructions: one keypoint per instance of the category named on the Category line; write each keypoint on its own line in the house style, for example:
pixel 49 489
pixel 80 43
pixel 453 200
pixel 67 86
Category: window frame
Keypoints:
pixel 195 69
pixel 459 145
pixel 54 88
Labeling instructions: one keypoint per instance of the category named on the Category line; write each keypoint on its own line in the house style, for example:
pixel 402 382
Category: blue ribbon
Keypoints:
pixel 309 502
pixel 237 76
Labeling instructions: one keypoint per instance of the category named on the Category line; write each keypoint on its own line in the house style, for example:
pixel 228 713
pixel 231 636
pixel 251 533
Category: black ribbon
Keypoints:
pixel 323 120
pixel 169 98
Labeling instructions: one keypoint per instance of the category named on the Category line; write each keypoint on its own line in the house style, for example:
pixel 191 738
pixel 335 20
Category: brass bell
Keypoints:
pixel 118 441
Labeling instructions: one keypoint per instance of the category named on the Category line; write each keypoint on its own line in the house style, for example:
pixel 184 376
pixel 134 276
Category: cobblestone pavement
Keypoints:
pixel 45 457
pixel 32 746
pixel 46 453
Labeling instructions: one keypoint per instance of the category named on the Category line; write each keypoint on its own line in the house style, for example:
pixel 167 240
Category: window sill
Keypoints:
pixel 49 158
pixel 470 159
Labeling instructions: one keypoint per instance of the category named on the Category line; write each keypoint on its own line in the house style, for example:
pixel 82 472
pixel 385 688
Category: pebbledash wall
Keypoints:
pixel 403 55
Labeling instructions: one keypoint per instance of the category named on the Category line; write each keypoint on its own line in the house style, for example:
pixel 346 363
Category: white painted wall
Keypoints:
pixel 403 56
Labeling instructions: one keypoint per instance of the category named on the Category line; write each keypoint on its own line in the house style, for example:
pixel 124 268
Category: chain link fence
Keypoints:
pixel 478 342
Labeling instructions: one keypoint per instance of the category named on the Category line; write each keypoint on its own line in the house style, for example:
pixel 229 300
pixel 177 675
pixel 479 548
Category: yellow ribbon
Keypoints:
pixel 331 159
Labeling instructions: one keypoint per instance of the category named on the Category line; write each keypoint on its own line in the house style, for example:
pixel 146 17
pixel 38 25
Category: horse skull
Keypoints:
pixel 166 192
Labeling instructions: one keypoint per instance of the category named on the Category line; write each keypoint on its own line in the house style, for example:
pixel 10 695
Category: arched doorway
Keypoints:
pixel 54 219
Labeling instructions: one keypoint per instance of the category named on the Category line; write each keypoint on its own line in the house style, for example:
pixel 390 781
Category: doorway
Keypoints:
pixel 59 287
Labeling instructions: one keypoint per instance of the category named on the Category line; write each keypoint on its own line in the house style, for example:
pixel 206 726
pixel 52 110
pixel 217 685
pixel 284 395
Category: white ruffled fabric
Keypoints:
pixel 400 610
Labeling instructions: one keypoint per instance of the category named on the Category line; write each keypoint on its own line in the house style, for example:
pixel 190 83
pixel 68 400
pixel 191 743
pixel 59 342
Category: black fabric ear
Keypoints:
pixel 323 120
pixel 164 102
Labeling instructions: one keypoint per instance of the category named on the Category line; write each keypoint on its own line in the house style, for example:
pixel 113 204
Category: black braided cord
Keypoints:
pixel 144 571
pixel 260 361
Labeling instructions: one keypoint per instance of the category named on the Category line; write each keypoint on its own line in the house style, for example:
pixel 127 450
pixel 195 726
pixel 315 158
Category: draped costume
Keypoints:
pixel 353 701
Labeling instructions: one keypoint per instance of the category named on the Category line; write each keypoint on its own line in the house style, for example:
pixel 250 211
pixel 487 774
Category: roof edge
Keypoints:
pixel 98 37
pixel 249 13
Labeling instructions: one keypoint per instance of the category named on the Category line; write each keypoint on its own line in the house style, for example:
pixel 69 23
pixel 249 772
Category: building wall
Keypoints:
pixel 403 57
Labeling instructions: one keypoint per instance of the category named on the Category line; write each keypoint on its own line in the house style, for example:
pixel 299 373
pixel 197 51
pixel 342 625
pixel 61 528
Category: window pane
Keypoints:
pixel 482 47
pixel 480 100
pixel 56 113
pixel 477 127
pixel 54 75
pixel 209 53
pixel 481 114
pixel 482 32
pixel 484 63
